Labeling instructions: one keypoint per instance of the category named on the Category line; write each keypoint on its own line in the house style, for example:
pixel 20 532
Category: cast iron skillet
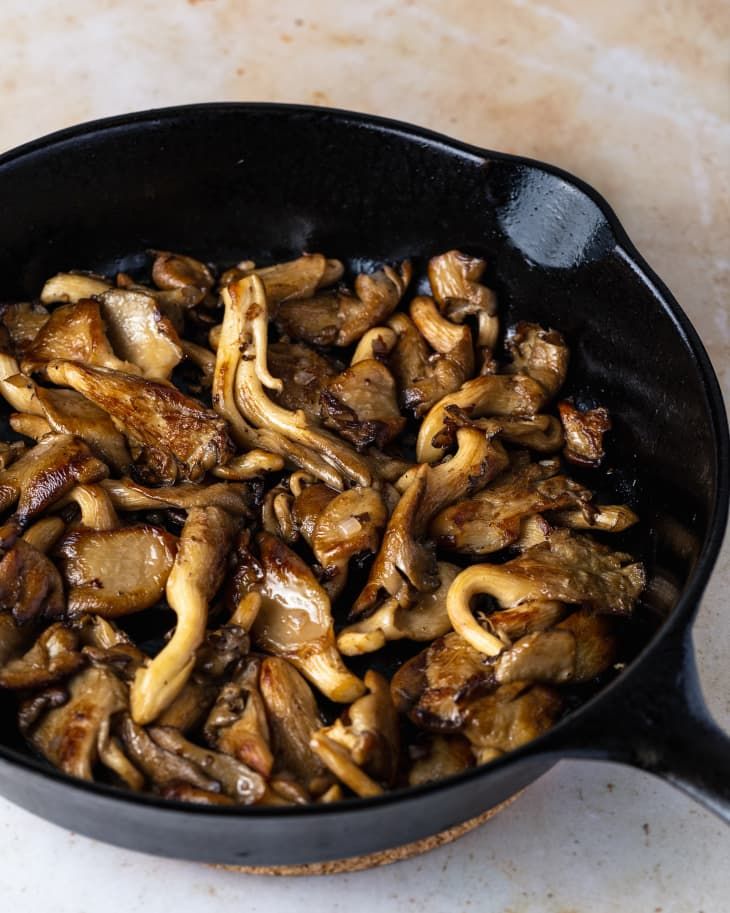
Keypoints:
pixel 225 180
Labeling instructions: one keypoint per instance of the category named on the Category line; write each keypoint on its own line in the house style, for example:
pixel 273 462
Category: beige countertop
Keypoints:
pixel 634 97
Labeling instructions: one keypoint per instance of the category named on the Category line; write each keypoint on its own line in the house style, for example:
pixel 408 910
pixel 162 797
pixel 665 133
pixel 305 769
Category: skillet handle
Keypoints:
pixel 661 724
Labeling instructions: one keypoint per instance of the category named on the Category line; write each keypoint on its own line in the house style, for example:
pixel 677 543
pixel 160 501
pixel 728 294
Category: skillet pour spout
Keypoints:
pixel 204 179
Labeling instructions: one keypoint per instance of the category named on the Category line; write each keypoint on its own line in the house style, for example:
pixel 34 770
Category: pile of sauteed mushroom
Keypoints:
pixel 228 493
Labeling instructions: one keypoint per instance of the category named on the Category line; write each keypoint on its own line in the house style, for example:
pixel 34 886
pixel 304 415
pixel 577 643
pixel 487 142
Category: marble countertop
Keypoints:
pixel 636 104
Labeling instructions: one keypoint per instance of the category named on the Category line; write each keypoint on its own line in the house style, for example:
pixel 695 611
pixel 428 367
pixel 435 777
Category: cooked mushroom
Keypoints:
pixel 361 748
pixel 140 333
pixel 73 737
pixel 95 506
pixel 492 518
pixel 125 494
pixel 237 724
pixel 115 572
pixel 46 472
pixel 377 343
pixel 170 271
pixel 441 756
pixel 247 296
pixel 361 404
pixel 14 638
pixel 423 619
pixel 293 717
pixel 540 354
pixel 33 426
pixel 30 585
pixel 584 432
pixel 455 284
pixel 44 534
pixel 23 322
pixel 292 280
pixel 190 438
pixel 195 576
pixel 424 376
pixel 342 317
pixel 608 518
pixel 509 717
pixel 347 526
pixel 565 568
pixel 488 394
pixel 55 656
pixel 294 621
pixel 249 465
pixel 71 288
pixel 303 373
pixel 74 332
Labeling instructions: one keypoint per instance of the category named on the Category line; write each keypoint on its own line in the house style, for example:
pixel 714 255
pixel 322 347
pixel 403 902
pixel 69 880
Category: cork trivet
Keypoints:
pixel 371 860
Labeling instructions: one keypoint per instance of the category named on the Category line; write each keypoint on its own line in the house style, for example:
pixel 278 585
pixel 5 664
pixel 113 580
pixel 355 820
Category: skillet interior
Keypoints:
pixel 265 181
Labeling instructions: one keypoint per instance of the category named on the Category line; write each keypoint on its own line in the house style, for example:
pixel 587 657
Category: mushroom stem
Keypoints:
pixel 97 510
pixel 475 580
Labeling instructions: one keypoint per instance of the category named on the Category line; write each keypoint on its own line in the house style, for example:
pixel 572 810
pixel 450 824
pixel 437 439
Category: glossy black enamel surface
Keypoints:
pixel 222 181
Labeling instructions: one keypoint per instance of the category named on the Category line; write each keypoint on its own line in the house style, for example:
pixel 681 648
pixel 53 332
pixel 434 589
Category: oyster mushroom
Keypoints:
pixel 584 432
pixel 140 333
pixel 237 724
pixel 95 506
pixel 423 619
pixel 71 288
pixel 492 518
pixel 361 405
pixel 303 372
pixel 128 495
pixel 489 394
pixel 195 576
pixel 441 756
pixel 608 518
pixel 249 465
pixel 23 320
pixel 14 638
pixel 247 297
pixel 293 279
pixel 46 472
pixel 74 332
pixel 170 271
pixel 54 656
pixel 361 748
pixel 189 438
pixel 540 354
pixel 342 317
pixel 454 279
pixel 115 572
pixel 377 343
pixel 294 620
pixel 423 375
pixel 565 568
pixel 30 585
pixel 44 533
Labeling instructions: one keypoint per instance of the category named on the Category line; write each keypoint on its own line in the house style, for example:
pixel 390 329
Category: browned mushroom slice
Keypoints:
pixel 10 451
pixel 171 271
pixel 490 394
pixel 492 519
pixel 46 472
pixel 292 280
pixel 116 572
pixel 294 621
pixel 368 740
pixel 74 332
pixel 249 465
pixel 441 756
pixel 432 687
pixel 196 575
pixel 347 526
pixel 33 426
pixel 23 321
pixel 52 658
pixel 455 284
pixel 140 333
pixel 308 505
pixel 237 780
pixel 584 432
pixel 540 354
pixel 71 288
pixel 509 717
pixel 542 432
pixel 67 411
pixel 342 317
pixel 237 724
pixel 303 373
pixel 72 737
pixel 565 568
pixel 30 585
pixel 423 620
pixel 163 419
pixel 233 497
pixel 608 518
pixel 377 343
pixel 361 405
pixel 293 717
pixel 14 638
pixel 527 618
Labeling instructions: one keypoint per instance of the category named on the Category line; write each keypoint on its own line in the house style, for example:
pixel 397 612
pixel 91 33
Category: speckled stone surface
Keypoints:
pixel 632 96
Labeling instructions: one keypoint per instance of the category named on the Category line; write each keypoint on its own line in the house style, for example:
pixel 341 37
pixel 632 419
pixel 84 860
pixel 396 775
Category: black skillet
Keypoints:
pixel 270 181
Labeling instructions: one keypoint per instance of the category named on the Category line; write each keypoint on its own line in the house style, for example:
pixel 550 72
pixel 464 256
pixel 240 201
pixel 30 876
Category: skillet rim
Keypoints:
pixel 679 621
